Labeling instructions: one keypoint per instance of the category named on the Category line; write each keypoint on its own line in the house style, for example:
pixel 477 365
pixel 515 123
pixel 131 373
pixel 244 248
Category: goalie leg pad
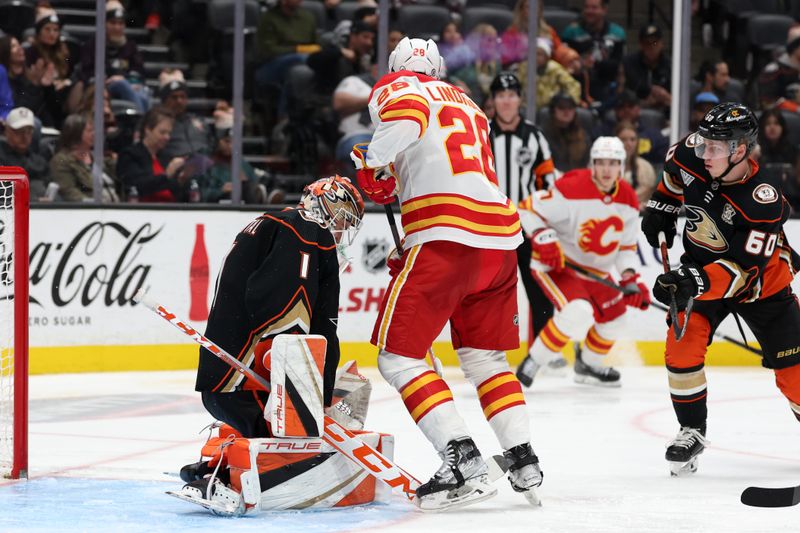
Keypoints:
pixel 426 396
pixel 500 394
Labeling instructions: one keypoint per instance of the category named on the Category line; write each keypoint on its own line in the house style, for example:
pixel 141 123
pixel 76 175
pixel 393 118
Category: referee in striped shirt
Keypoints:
pixel 523 165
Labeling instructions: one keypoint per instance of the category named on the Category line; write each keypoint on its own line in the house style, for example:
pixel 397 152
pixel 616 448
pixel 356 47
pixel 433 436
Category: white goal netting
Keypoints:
pixel 6 327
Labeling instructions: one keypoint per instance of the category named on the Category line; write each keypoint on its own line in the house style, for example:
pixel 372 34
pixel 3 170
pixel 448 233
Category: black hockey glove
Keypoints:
pixel 660 216
pixel 688 281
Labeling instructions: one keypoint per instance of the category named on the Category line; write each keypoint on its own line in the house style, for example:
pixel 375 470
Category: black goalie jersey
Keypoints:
pixel 733 230
pixel 280 276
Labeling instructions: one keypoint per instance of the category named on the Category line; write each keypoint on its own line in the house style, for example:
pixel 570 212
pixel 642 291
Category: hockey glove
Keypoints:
pixel 395 261
pixel 636 292
pixel 687 281
pixel 660 216
pixel 546 250
pixel 379 184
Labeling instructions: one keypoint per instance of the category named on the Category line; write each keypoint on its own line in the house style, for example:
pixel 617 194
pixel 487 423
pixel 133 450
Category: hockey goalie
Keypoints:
pixel 276 310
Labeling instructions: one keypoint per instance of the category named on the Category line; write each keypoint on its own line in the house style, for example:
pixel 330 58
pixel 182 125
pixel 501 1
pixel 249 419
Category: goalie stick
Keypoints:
pixel 347 443
pixel 771 497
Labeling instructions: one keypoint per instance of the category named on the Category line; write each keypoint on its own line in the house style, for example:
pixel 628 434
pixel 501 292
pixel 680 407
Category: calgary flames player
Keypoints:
pixel 589 219
pixel 737 260
pixel 431 148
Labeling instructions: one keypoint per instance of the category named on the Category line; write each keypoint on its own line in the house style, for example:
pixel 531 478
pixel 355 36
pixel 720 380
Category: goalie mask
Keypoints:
pixel 334 203
pixel 417 55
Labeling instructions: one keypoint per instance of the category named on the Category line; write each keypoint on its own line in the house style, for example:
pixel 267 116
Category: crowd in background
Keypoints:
pixel 310 69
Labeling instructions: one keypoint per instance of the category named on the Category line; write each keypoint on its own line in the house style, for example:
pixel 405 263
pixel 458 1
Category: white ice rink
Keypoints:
pixel 101 444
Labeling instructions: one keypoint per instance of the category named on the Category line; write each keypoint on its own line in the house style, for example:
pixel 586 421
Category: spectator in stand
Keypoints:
pixel 572 63
pixel 569 141
pixel 286 35
pixel 715 77
pixel 31 87
pixel 653 144
pixel 189 135
pixel 117 138
pixel 144 166
pixel 456 54
pixel 49 53
pixel 6 94
pixel 16 150
pixel 124 64
pixel 333 63
pixel 478 76
pixel 648 72
pixel 551 77
pixel 603 40
pixel 514 42
pixel 702 104
pixel 350 101
pixel 778 75
pixel 778 157
pixel 71 166
pixel 638 171
pixel 395 36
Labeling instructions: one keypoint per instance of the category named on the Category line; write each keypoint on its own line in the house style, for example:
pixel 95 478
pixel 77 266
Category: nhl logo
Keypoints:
pixel 516 320
pixel 524 156
pixel 727 214
pixel 374 255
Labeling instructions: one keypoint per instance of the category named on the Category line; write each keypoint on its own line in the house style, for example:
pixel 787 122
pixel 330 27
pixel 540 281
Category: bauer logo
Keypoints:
pixel 375 252
pixel 99 263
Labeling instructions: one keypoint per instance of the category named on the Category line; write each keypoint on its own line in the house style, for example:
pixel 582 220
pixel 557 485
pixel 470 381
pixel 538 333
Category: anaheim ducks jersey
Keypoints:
pixel 733 230
pixel 438 140
pixel 280 276
pixel 597 230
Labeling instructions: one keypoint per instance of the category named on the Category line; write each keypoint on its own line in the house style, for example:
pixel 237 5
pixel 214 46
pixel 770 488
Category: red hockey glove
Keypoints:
pixel 395 262
pixel 379 184
pixel 546 249
pixel 636 292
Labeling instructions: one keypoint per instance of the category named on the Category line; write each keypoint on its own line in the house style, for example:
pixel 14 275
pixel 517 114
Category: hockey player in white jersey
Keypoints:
pixel 589 220
pixel 431 149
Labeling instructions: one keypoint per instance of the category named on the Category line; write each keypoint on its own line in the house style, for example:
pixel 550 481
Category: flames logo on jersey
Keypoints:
pixel 703 231
pixel 593 233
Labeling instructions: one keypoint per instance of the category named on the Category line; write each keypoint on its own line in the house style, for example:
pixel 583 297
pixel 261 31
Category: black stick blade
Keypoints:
pixel 767 497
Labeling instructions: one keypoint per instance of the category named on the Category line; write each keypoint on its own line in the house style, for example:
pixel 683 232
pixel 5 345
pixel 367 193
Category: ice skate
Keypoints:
pixel 603 376
pixel 212 494
pixel 556 367
pixel 462 479
pixel 527 370
pixel 524 472
pixel 683 451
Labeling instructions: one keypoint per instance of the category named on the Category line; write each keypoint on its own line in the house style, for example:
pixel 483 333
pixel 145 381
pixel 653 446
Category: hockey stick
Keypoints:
pixel 769 497
pixel 365 456
pixel 673 304
pixel 657 305
pixel 435 361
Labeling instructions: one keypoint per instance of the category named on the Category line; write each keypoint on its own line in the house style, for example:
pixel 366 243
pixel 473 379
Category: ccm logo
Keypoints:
pixel 786 353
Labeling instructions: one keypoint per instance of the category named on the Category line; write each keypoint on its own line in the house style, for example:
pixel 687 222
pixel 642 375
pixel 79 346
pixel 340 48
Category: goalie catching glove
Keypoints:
pixel 379 184
pixel 687 281
pixel 546 250
pixel 636 292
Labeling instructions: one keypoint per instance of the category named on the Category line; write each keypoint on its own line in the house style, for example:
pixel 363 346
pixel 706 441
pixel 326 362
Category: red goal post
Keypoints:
pixel 14 214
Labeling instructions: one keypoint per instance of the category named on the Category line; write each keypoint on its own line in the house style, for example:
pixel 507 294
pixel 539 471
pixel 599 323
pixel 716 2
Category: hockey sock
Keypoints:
pixel 549 343
pixel 687 387
pixel 595 348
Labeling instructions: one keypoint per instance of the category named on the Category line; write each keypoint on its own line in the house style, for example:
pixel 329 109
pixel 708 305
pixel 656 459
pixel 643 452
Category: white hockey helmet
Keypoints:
pixel 609 148
pixel 334 203
pixel 417 55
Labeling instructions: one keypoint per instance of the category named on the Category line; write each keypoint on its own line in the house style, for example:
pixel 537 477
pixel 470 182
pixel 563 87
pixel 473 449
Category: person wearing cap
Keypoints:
pixel 701 104
pixel 648 72
pixel 778 75
pixel 604 40
pixel 124 63
pixel 334 63
pixel 653 144
pixel 190 135
pixel 16 150
pixel 569 140
pixel 523 165
pixel 551 77
pixel 48 48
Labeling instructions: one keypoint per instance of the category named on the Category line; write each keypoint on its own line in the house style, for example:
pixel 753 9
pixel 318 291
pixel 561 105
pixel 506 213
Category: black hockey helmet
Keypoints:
pixel 505 81
pixel 730 122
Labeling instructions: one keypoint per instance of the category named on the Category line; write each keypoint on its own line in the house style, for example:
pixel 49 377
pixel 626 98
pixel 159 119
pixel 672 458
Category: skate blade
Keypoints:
pixel 532 497
pixel 678 469
pixel 473 491
pixel 589 380
pixel 215 507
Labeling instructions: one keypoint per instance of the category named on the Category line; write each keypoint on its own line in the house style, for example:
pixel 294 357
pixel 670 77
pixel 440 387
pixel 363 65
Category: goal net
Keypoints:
pixel 14 207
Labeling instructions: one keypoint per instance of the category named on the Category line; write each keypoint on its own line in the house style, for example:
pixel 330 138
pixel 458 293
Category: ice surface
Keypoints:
pixel 101 444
